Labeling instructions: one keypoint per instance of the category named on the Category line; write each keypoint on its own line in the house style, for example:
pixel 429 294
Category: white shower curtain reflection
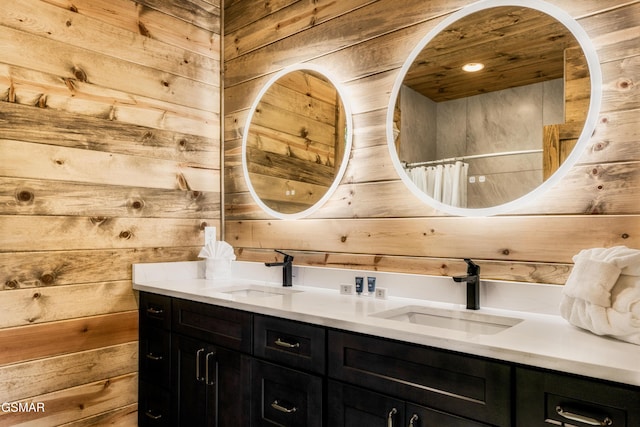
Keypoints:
pixel 444 183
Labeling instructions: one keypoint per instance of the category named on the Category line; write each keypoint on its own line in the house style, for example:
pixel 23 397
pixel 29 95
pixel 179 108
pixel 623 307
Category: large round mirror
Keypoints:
pixel 297 139
pixel 493 106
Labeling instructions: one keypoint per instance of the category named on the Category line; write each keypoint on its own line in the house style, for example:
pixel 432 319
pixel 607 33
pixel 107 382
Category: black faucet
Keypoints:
pixel 287 268
pixel 473 284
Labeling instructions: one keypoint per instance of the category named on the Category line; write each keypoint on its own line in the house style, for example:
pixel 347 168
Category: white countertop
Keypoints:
pixel 539 340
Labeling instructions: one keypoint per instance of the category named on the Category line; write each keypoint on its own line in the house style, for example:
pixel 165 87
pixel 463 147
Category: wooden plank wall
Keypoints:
pixel 372 221
pixel 110 155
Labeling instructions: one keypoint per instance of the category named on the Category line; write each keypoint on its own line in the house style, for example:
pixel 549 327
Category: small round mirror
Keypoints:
pixel 493 106
pixel 297 139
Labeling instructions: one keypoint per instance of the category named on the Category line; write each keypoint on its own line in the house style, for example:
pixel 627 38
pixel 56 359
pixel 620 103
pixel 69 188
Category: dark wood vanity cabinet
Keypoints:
pixel 546 398
pixel 205 365
pixel 439 384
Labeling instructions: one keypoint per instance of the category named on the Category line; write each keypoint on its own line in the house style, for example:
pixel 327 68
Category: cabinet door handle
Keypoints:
pixel 153 357
pixel 198 377
pixel 391 416
pixel 207 375
pixel 280 342
pixel 414 420
pixel 154 311
pixel 278 406
pixel 152 416
pixel 606 421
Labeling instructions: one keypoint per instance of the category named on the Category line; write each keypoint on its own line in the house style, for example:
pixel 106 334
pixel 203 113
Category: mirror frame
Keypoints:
pixel 592 114
pixel 347 149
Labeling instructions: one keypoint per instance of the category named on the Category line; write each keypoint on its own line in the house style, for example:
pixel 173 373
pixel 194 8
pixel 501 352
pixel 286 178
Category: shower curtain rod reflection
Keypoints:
pixel 473 156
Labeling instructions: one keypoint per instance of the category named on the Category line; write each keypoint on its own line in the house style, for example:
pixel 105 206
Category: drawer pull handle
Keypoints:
pixel 198 377
pixel 281 343
pixel 207 375
pixel 278 406
pixel 390 417
pixel 153 357
pixel 154 311
pixel 413 421
pixel 582 418
pixel 153 416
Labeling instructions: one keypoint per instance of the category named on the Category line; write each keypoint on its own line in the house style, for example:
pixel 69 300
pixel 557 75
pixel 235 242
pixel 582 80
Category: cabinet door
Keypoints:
pixel 285 397
pixel 349 406
pixel 211 384
pixel 194 374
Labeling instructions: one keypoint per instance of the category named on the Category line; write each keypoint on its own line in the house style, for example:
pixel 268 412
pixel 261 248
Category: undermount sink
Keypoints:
pixel 256 291
pixel 467 321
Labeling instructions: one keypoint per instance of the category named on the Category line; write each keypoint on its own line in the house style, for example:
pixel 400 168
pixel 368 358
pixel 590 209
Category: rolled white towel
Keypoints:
pixel 602 293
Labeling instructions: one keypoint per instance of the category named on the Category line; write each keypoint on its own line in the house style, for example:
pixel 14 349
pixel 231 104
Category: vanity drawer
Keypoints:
pixel 155 310
pixel 454 383
pixel 298 345
pixel 153 406
pixel 155 356
pixel 285 397
pixel 221 326
pixel 547 398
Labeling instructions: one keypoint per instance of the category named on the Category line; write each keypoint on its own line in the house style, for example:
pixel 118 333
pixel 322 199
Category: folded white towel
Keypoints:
pixel 602 293
pixel 218 249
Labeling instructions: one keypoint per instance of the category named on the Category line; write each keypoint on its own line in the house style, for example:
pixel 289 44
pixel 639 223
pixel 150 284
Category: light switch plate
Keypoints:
pixel 209 235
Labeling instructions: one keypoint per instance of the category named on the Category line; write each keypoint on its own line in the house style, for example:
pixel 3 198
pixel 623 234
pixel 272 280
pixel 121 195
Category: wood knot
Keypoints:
pixel 195 195
pixel 505 252
pixel 24 196
pixel 98 220
pixel 343 239
pixel 73 9
pixel 625 84
pixel 79 74
pixel 48 279
pixel 182 144
pixel 624 236
pixel 37 295
pixel 136 204
pixel 68 23
pixel 126 234
pixel 11 284
pixel 203 224
pixel 165 83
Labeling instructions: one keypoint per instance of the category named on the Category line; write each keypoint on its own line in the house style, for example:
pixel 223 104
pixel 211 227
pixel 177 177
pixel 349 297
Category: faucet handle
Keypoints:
pixel 473 269
pixel 287 258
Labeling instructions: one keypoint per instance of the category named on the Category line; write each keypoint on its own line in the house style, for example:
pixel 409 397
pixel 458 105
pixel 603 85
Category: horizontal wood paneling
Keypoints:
pixel 67 370
pixel 110 146
pixel 78 403
pixel 50 304
pixel 69 336
pixel 372 220
pixel 31 269
pixel 511 238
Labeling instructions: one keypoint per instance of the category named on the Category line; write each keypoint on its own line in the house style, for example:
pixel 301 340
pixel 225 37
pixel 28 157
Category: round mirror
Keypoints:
pixel 493 106
pixel 297 139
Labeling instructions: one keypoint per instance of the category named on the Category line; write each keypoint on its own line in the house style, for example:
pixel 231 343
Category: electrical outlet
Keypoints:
pixel 209 235
pixel 381 293
pixel 346 289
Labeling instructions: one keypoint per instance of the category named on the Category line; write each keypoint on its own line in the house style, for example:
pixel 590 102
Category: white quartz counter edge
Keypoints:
pixel 544 341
